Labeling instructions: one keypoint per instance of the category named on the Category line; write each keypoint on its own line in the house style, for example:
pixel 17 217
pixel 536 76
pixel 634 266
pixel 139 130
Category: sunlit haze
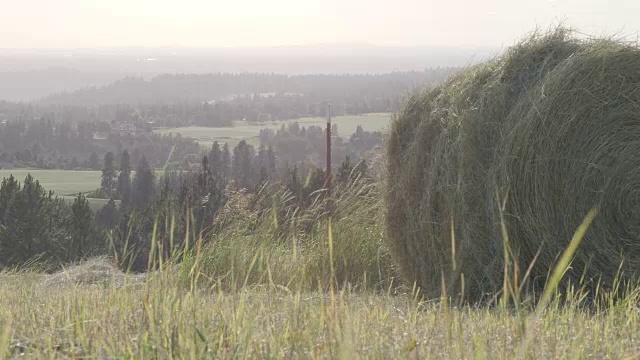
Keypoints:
pixel 211 23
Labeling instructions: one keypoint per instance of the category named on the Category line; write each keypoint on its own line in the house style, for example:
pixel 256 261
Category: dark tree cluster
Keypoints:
pixel 48 144
pixel 36 224
pixel 295 144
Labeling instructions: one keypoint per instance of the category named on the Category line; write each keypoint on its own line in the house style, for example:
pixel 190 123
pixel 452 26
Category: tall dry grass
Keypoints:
pixel 337 241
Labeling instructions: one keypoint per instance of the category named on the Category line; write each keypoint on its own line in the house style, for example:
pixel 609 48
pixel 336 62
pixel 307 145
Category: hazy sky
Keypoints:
pixel 210 23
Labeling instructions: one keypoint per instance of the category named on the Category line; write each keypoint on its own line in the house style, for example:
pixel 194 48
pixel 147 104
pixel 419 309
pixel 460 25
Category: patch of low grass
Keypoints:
pixel 160 320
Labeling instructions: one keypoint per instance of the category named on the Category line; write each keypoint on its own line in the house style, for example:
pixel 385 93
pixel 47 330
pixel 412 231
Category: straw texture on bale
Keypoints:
pixel 541 135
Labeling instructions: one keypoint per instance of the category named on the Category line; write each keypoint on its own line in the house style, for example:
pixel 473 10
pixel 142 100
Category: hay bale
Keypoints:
pixel 95 271
pixel 552 129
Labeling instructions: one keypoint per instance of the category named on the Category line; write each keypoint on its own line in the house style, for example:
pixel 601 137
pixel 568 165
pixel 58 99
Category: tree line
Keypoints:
pixel 170 207
pixel 35 223
pixel 49 144
pixel 219 99
pixel 198 88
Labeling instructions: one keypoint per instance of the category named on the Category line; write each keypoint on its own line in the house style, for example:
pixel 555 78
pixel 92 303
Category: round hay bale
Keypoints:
pixel 537 137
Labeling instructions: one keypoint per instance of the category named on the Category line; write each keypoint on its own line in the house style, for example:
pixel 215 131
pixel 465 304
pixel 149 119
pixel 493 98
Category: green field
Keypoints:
pixel 94 204
pixel 62 182
pixel 242 130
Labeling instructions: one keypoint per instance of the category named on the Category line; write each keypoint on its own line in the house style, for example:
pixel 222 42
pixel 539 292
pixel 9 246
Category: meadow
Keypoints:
pixel 242 130
pixel 61 182
pixel 244 296
pixel 64 183
pixel 158 319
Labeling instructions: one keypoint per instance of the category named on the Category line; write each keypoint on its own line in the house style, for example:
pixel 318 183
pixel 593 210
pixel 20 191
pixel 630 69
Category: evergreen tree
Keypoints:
pixel 81 228
pixel 225 162
pixel 33 223
pixel 215 158
pixel 216 167
pixel 108 174
pixel 349 172
pixel 271 162
pixel 205 175
pixel 243 173
pixel 143 184
pixel 262 165
pixel 94 162
pixel 107 216
pixel 262 156
pixel 344 171
pixel 8 190
pixel 124 179
pixel 264 176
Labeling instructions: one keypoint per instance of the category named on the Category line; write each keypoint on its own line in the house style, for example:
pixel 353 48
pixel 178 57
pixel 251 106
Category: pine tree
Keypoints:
pixel 81 225
pixel 243 173
pixel 23 213
pixel 215 158
pixel 216 167
pixel 124 179
pixel 225 162
pixel 262 155
pixel 344 171
pixel 107 216
pixel 94 162
pixel 8 190
pixel 204 178
pixel 263 165
pixel 33 223
pixel 236 167
pixel 108 174
pixel 143 184
pixel 271 162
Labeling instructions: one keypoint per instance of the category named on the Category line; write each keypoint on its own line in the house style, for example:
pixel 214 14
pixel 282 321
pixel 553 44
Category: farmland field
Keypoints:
pixel 242 130
pixel 94 204
pixel 64 183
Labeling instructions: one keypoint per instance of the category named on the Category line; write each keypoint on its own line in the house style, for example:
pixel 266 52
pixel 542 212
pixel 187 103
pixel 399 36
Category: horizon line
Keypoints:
pixel 252 47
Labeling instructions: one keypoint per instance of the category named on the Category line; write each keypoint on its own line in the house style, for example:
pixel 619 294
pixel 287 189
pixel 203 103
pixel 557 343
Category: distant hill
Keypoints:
pixel 32 74
pixel 168 89
pixel 29 85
